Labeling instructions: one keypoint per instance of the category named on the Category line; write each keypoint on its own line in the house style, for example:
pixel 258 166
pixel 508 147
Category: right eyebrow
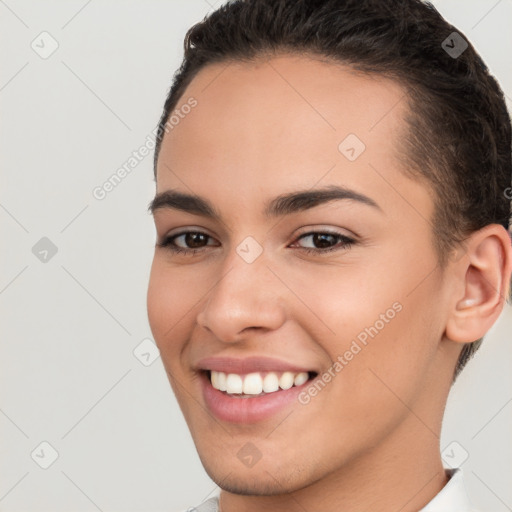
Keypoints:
pixel 189 203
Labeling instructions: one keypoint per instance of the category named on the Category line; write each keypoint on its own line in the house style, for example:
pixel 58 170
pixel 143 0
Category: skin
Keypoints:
pixel 370 439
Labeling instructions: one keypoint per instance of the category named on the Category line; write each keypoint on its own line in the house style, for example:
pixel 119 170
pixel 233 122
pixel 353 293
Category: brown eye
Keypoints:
pixel 325 241
pixel 193 241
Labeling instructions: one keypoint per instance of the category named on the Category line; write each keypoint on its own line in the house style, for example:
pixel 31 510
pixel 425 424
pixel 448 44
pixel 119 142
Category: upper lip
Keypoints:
pixel 248 365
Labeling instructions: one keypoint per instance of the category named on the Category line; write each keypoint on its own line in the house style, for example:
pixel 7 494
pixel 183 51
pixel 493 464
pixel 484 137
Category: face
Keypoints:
pixel 336 294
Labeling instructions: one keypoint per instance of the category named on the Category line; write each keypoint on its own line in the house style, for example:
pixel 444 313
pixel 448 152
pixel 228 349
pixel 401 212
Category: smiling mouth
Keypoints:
pixel 257 383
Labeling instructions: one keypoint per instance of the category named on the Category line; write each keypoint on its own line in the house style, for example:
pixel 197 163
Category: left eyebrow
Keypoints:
pixel 281 205
pixel 303 200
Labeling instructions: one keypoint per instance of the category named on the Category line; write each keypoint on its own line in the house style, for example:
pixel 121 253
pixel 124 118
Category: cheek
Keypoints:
pixel 168 308
pixel 343 302
pixel 377 317
pixel 394 354
pixel 157 300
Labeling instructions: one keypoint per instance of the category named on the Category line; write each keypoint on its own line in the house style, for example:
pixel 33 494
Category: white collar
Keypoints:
pixel 452 497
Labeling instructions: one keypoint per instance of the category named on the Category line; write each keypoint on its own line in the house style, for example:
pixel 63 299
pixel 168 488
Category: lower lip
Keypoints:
pixel 247 410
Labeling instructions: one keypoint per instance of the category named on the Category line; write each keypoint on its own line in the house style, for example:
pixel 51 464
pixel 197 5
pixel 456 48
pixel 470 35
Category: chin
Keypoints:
pixel 260 480
pixel 249 486
pixel 236 485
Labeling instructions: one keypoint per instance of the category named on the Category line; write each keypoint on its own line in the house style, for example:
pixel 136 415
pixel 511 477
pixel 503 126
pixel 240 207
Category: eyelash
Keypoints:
pixel 347 243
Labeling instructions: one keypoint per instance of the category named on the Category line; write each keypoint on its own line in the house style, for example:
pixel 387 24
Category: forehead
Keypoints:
pixel 274 124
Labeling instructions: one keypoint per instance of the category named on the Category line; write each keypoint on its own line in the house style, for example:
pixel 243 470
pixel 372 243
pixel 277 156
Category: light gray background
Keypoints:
pixel 70 326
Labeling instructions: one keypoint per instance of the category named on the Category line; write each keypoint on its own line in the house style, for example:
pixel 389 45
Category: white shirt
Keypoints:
pixel 451 498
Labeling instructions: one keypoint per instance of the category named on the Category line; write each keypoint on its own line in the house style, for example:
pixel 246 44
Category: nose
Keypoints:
pixel 247 297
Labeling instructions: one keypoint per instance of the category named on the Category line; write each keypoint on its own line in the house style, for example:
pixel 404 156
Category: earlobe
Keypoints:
pixel 485 275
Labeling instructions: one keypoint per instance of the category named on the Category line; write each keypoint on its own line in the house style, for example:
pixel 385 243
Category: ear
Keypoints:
pixel 482 284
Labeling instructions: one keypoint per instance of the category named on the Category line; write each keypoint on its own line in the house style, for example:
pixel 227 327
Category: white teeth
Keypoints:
pixel 221 379
pixel 234 383
pixel 286 380
pixel 255 383
pixel 218 380
pixel 300 378
pixel 214 377
pixel 270 382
